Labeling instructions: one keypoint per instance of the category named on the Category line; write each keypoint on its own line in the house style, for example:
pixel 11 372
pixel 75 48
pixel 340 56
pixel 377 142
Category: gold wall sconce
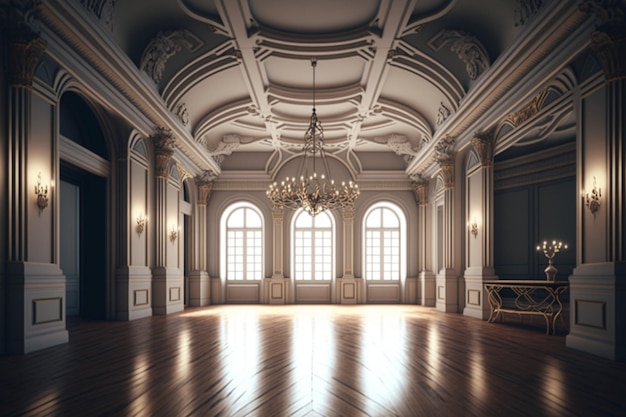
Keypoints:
pixel 141 223
pixel 474 228
pixel 173 234
pixel 593 202
pixel 41 191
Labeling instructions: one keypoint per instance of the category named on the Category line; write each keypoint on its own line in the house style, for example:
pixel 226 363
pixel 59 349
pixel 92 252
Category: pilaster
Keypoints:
pixel 34 287
pixel 132 282
pixel 598 283
pixel 167 281
pixel 349 287
pixel 426 278
pixel 277 287
pixel 479 235
pixel 199 281
pixel 447 285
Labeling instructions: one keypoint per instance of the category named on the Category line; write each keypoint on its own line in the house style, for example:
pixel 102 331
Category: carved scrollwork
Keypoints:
pixel 525 10
pixel 442 114
pixel 164 143
pixel 401 145
pixel 484 144
pixel 103 9
pixel 25 46
pixel 467 47
pixel 533 107
pixel 162 47
pixel 182 113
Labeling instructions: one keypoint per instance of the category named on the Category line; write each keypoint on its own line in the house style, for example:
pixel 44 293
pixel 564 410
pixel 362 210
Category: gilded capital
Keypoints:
pixel 608 42
pixel 484 144
pixel 277 214
pixel 420 188
pixel 447 172
pixel 347 213
pixel 25 48
pixel 610 48
pixel 204 192
pixel 164 143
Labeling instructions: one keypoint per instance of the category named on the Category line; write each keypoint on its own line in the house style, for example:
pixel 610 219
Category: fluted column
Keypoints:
pixel 34 287
pixel 447 279
pixel 479 215
pixel 199 280
pixel 167 280
pixel 426 279
pixel 598 283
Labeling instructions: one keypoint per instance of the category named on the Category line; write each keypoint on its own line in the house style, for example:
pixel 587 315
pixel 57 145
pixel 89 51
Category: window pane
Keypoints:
pixel 373 219
pixel 252 219
pixel 390 219
pixel 322 220
pixel 236 218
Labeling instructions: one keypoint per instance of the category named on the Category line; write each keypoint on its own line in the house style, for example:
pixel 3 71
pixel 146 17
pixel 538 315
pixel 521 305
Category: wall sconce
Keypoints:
pixel 141 223
pixel 593 202
pixel 173 234
pixel 42 194
pixel 474 227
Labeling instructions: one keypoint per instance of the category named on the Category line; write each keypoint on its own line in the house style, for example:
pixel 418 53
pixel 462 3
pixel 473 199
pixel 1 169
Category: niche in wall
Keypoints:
pixel 535 200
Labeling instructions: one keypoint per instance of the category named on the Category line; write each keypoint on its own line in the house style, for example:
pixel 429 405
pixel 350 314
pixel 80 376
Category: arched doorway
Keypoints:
pixel 85 170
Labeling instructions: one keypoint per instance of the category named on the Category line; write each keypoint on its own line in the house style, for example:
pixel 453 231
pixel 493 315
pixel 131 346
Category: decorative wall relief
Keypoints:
pixel 533 107
pixel 182 113
pixel 162 47
pixel 164 143
pixel 468 48
pixel 442 114
pixel 445 156
pixel 103 9
pixel 525 10
pixel 401 145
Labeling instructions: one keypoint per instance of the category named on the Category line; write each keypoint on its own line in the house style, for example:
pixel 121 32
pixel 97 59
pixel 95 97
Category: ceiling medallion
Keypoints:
pixel 313 189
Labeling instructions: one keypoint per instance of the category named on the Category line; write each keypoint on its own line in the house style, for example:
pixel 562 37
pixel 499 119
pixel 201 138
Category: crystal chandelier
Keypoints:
pixel 312 190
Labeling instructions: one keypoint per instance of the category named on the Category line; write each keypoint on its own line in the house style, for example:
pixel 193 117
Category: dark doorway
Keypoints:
pixel 92 238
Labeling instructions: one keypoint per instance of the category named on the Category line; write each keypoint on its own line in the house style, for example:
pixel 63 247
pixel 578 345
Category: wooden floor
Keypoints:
pixel 310 361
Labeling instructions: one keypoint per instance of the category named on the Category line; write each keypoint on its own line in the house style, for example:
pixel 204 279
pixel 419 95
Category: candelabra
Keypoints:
pixel 550 250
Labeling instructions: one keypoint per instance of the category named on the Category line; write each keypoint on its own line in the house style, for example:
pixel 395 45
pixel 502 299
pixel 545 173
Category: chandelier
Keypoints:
pixel 312 190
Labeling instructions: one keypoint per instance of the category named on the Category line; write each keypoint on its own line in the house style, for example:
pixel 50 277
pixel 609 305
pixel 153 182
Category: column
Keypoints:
pixel 598 283
pixel 426 278
pixel 349 287
pixel 199 281
pixel 447 285
pixel 479 235
pixel 167 277
pixel 277 287
pixel 34 313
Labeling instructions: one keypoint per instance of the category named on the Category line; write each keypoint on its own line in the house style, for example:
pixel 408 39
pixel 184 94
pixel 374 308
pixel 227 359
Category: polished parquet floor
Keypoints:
pixel 310 361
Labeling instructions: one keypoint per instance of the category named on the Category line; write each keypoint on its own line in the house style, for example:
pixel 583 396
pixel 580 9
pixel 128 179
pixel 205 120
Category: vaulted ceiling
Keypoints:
pixel 237 74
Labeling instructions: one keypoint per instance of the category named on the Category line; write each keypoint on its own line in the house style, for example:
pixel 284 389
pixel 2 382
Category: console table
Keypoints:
pixel 532 297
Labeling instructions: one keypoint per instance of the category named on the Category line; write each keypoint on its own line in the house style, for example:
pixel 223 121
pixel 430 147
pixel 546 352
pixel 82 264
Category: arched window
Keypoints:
pixel 242 242
pixel 313 247
pixel 385 247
